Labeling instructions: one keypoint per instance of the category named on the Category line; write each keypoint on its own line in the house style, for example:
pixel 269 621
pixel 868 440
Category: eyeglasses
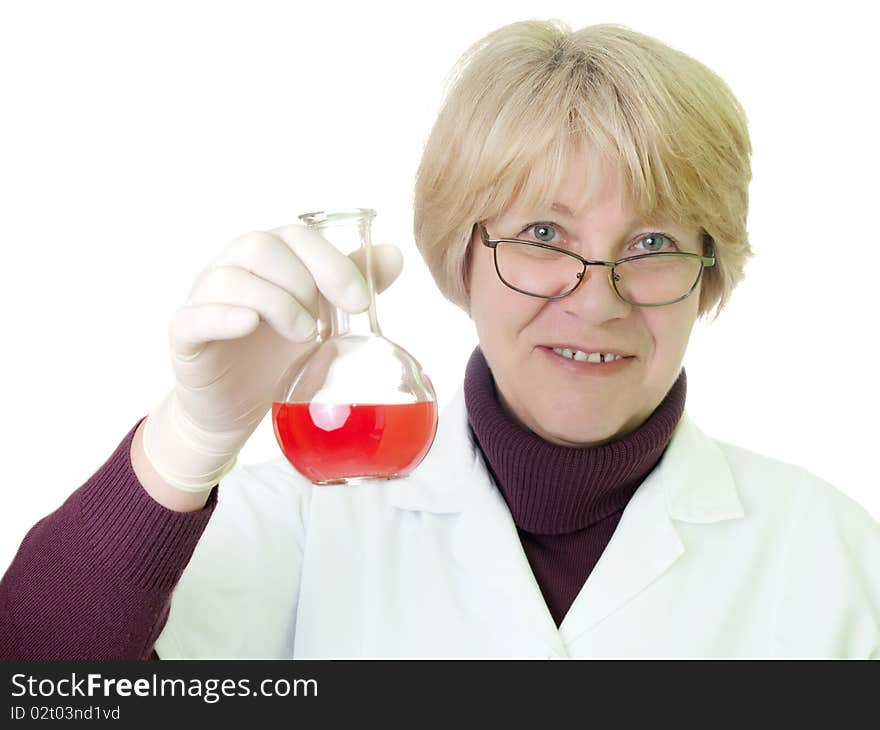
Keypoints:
pixel 545 271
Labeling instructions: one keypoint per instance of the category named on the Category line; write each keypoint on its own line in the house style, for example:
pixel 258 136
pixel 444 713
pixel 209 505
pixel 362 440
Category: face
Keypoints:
pixel 567 402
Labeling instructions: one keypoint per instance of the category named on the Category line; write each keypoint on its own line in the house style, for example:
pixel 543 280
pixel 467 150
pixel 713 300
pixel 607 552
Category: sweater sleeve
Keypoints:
pixel 93 579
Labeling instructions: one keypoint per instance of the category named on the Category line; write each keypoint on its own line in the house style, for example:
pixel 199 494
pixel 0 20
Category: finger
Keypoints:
pixel 387 263
pixel 232 285
pixel 193 326
pixel 336 275
pixel 266 255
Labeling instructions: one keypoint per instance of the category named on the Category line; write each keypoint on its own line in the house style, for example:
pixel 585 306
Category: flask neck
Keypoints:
pixel 349 231
pixel 364 324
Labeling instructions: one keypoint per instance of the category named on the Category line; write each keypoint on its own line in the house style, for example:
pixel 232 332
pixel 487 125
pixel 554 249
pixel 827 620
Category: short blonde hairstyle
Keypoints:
pixel 521 96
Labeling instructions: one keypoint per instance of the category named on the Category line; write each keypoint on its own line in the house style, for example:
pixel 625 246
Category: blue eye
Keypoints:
pixel 541 230
pixel 654 242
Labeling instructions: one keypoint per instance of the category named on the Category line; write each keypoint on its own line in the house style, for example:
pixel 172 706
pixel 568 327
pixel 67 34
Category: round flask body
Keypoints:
pixel 361 407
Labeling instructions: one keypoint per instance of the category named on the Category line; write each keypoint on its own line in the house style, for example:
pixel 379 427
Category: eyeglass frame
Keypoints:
pixel 705 261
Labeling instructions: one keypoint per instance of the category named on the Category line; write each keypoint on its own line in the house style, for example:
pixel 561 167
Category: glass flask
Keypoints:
pixel 361 407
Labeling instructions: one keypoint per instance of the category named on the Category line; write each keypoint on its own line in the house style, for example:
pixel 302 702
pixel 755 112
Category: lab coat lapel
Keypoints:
pixel 644 545
pixel 489 549
pixel 498 582
pixel 692 483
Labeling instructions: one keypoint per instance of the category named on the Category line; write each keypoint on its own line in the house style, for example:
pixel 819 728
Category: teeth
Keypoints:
pixel 581 356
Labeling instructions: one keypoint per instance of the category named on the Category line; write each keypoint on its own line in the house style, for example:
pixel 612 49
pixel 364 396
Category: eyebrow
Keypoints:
pixel 634 222
pixel 562 208
pixel 566 211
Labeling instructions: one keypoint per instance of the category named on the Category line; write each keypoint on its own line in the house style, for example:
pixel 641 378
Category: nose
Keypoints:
pixel 594 298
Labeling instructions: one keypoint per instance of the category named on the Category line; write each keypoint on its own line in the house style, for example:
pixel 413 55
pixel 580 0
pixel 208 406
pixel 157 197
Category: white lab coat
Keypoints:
pixel 721 552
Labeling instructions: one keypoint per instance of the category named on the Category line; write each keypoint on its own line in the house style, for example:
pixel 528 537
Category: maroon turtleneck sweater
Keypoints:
pixel 566 502
pixel 93 580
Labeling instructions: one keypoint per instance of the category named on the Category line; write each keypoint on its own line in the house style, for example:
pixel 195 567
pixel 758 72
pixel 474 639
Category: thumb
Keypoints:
pixel 387 260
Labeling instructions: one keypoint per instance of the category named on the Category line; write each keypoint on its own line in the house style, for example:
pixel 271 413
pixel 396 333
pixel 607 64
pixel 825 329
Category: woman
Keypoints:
pixel 583 196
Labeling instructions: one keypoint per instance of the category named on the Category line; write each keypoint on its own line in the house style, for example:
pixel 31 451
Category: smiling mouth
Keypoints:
pixel 588 362
pixel 591 357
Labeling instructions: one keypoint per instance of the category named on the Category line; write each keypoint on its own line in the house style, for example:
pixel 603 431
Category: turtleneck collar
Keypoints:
pixel 553 490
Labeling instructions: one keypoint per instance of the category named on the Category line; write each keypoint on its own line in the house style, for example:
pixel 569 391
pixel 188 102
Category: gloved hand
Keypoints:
pixel 247 327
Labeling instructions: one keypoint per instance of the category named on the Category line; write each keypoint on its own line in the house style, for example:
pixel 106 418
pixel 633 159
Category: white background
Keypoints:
pixel 137 139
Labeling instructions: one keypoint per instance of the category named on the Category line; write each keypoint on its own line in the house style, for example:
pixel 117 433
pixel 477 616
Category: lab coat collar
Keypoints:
pixel 693 480
pixel 691 483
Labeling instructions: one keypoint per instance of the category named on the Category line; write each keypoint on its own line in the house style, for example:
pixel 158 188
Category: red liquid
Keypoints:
pixel 327 443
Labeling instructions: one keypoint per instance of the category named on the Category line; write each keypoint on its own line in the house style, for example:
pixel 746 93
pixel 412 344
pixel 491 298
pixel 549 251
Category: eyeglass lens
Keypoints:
pixel 655 279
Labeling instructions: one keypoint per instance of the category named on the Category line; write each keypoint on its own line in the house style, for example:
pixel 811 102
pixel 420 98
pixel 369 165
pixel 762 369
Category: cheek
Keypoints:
pixel 493 304
pixel 501 316
pixel 669 330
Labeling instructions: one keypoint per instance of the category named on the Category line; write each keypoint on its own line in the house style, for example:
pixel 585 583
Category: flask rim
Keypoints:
pixel 334 215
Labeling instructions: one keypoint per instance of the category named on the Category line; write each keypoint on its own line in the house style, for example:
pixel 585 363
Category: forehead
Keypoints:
pixel 590 181
pixel 588 184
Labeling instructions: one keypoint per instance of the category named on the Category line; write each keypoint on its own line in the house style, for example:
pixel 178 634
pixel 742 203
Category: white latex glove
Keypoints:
pixel 247 327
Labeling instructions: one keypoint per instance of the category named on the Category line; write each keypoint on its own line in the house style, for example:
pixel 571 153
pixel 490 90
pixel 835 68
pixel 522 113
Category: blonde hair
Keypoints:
pixel 521 96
